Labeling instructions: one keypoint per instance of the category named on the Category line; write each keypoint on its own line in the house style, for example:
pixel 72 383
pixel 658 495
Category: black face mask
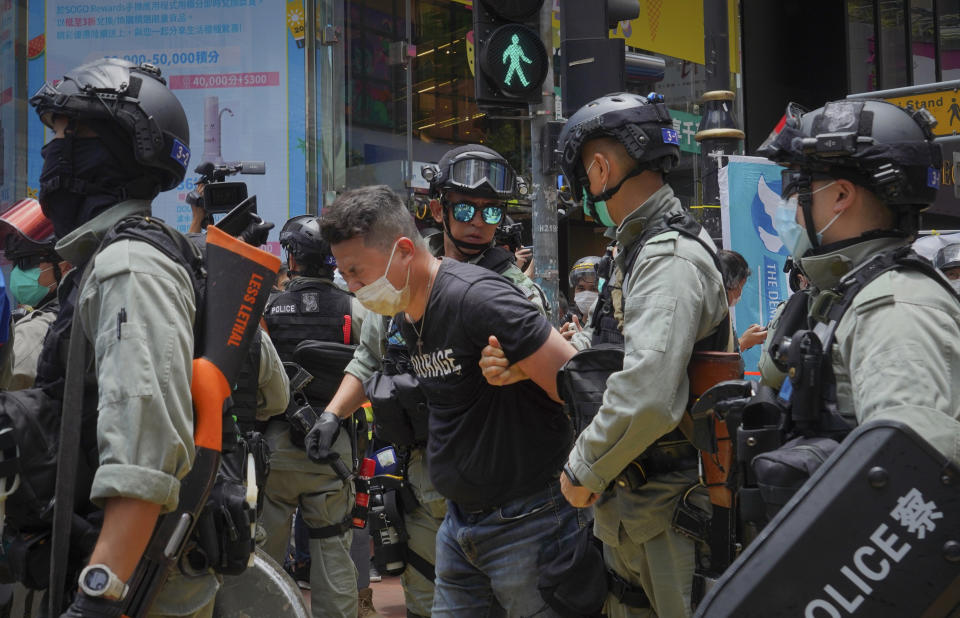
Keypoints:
pixel 79 180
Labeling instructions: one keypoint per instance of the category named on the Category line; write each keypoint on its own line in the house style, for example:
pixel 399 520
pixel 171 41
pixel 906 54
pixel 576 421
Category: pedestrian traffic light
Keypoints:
pixel 511 60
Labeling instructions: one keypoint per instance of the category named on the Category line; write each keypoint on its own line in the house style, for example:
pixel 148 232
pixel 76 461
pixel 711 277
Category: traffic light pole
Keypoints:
pixel 544 221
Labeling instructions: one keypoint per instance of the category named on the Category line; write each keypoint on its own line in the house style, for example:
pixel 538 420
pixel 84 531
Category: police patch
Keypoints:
pixel 310 302
pixel 933 178
pixel 670 136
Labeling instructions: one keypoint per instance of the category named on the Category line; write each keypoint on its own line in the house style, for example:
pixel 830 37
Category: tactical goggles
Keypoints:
pixel 464 212
pixel 471 174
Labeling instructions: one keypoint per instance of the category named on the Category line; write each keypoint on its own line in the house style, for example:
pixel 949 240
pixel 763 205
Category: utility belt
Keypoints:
pixel 671 453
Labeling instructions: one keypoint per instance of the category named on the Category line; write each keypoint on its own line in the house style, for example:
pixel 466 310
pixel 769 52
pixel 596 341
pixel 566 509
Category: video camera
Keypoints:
pixel 510 234
pixel 218 195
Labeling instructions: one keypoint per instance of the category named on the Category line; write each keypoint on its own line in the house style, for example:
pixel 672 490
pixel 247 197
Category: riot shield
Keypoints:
pixel 874 532
pixel 264 590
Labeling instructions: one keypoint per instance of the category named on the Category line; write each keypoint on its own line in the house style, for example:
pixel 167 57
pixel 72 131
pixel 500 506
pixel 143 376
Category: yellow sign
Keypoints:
pixel 295 20
pixel 943 104
pixel 675 28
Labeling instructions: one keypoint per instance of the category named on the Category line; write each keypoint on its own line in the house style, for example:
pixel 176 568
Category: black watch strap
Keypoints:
pixel 570 475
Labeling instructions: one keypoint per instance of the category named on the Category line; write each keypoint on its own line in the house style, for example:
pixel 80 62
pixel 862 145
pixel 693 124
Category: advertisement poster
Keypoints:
pixel 229 62
pixel 749 193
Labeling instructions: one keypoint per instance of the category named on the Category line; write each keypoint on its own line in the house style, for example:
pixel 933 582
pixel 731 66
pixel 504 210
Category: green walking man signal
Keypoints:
pixel 515 54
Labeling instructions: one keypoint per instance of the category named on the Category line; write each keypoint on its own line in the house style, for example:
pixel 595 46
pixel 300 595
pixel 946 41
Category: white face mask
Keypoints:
pixel 381 297
pixel 956 284
pixel 585 300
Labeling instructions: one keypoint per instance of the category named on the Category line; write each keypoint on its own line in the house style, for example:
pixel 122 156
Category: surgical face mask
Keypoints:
pixel 794 235
pixel 585 300
pixel 381 297
pixel 956 285
pixel 25 286
pixel 596 208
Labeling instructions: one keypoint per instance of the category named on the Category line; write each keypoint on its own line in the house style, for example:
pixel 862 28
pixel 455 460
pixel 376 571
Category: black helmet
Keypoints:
pixel 584 268
pixel 875 144
pixel 132 111
pixel 948 257
pixel 641 123
pixel 474 170
pixel 300 236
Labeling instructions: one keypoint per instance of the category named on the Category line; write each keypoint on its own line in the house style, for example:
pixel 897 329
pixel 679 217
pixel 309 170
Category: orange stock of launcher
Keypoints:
pixel 239 279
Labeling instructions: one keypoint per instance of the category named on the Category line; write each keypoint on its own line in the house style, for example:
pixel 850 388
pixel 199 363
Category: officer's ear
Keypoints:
pixel 846 194
pixel 436 209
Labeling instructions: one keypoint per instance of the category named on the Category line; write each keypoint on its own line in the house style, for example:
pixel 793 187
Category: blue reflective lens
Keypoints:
pixel 464 212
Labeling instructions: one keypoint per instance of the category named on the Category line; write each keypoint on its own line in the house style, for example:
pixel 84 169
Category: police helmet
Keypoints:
pixel 875 144
pixel 474 170
pixel 948 257
pixel 642 124
pixel 26 234
pixel 131 109
pixel 300 236
pixel 584 268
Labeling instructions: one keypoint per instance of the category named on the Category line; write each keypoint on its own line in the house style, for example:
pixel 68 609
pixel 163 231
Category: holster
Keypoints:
pixel 301 416
pixel 223 534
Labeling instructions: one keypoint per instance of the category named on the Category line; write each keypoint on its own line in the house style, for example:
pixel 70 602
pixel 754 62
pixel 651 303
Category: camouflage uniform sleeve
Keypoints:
pixel 273 392
pixel 530 289
pixel 671 303
pixel 137 309
pixel 368 355
pixel 358 317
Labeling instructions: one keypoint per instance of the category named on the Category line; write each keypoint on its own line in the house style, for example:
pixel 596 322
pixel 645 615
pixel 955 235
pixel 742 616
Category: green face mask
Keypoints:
pixel 25 286
pixel 598 210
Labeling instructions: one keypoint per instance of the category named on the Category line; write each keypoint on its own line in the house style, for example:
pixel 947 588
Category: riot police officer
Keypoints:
pixel 382 353
pixel 665 300
pixel 98 170
pixel 311 308
pixel 469 187
pixel 858 174
pixel 26 236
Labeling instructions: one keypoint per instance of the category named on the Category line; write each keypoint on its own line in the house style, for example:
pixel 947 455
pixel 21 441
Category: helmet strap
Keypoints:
pixel 607 194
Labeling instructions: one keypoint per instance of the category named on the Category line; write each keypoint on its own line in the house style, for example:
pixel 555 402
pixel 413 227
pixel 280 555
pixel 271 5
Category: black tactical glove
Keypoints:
pixel 92 607
pixel 256 231
pixel 319 441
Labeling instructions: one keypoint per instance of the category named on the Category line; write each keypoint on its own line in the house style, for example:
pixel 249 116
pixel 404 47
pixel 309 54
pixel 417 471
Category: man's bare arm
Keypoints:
pixel 541 366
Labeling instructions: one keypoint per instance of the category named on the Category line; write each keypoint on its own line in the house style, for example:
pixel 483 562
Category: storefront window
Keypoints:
pixel 949 16
pixel 921 41
pixel 893 57
pixel 862 46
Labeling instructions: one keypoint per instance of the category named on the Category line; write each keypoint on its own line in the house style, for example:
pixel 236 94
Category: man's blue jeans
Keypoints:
pixel 488 562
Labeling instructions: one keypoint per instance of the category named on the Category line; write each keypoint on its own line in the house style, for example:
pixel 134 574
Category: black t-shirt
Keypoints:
pixel 488 444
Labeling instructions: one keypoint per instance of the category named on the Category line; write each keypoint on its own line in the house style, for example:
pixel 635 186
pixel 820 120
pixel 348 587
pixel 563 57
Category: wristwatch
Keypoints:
pixel 570 475
pixel 98 581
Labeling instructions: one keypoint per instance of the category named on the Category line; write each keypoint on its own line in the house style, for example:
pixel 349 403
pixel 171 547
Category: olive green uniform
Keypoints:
pixel 26 341
pixel 672 297
pixel 324 500
pixel 144 370
pixel 897 349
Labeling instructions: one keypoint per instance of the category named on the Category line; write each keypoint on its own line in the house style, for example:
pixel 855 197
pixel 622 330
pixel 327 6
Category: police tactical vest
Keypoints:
pixel 784 437
pixel 607 319
pixel 308 309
